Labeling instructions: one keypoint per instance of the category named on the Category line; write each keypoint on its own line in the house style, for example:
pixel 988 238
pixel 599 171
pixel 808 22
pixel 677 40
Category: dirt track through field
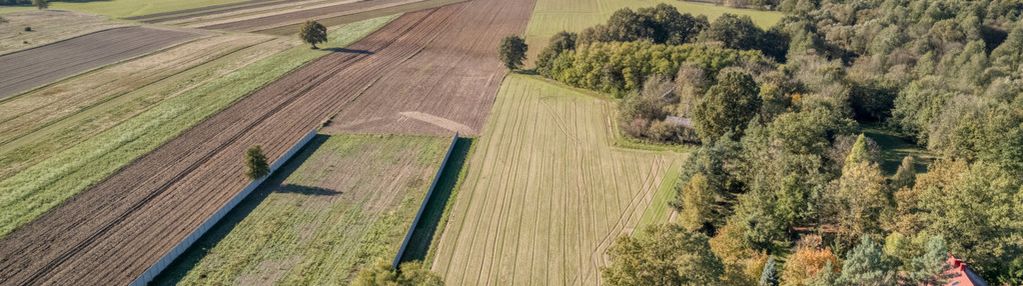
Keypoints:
pixel 112 232
pixel 31 68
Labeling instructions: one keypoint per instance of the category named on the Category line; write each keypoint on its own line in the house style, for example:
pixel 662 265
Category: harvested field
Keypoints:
pixel 112 232
pixel 84 148
pixel 340 204
pixel 47 26
pixel 39 66
pixel 546 193
pixel 296 17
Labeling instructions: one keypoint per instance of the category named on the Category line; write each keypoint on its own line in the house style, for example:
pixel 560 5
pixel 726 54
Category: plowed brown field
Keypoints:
pixel 434 64
pixel 282 19
pixel 45 64
pixel 208 10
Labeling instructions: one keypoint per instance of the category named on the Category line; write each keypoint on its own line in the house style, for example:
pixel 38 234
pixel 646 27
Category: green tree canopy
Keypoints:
pixel 865 264
pixel 662 255
pixel 313 33
pixel 255 163
pixel 513 51
pixel 728 106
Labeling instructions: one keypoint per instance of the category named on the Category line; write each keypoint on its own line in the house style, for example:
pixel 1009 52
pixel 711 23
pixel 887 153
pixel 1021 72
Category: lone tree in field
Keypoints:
pixel 41 4
pixel 256 163
pixel 313 33
pixel 513 51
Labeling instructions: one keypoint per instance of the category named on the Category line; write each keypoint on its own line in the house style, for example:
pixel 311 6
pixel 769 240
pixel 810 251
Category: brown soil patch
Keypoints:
pixel 442 62
pixel 27 69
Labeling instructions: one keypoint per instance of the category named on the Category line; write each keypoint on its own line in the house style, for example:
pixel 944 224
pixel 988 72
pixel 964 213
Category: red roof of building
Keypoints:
pixel 961 275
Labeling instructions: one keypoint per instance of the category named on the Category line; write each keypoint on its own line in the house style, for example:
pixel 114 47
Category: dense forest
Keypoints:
pixel 783 188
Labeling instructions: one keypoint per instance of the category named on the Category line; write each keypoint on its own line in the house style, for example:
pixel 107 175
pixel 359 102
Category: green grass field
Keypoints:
pixel 546 192
pixel 343 202
pixel 894 147
pixel 553 16
pixel 125 8
pixel 75 165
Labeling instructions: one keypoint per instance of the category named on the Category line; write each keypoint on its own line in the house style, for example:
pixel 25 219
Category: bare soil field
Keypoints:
pixel 257 12
pixel 340 204
pixel 292 29
pixel 47 26
pixel 27 69
pixel 294 17
pixel 208 10
pixel 112 232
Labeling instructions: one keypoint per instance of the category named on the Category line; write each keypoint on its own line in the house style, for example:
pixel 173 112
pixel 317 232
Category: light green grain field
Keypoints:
pixel 343 202
pixel 546 193
pixel 60 156
pixel 553 16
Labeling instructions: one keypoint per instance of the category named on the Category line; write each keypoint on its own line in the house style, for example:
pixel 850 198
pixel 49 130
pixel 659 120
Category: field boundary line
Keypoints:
pixel 184 244
pixel 426 199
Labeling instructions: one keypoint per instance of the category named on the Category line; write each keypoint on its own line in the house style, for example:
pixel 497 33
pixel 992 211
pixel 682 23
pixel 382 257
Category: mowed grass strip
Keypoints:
pixel 553 16
pixel 70 169
pixel 342 203
pixel 546 193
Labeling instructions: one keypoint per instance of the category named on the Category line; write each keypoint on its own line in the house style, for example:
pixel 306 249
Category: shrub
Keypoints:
pixel 255 162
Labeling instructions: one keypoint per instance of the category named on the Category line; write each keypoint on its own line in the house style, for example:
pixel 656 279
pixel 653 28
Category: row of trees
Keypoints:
pixel 664 24
pixel 781 161
pixel 673 255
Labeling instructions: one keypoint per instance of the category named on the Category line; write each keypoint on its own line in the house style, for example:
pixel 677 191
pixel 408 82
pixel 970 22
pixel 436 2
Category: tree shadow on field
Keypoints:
pixel 426 231
pixel 349 51
pixel 177 270
pixel 305 190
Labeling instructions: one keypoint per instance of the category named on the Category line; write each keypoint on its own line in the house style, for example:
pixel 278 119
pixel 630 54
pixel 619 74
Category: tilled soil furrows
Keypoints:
pixel 42 65
pixel 440 62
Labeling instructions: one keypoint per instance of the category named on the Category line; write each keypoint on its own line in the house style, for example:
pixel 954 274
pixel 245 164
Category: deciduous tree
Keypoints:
pixel 313 33
pixel 662 255
pixel 513 51
pixel 728 106
pixel 807 261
